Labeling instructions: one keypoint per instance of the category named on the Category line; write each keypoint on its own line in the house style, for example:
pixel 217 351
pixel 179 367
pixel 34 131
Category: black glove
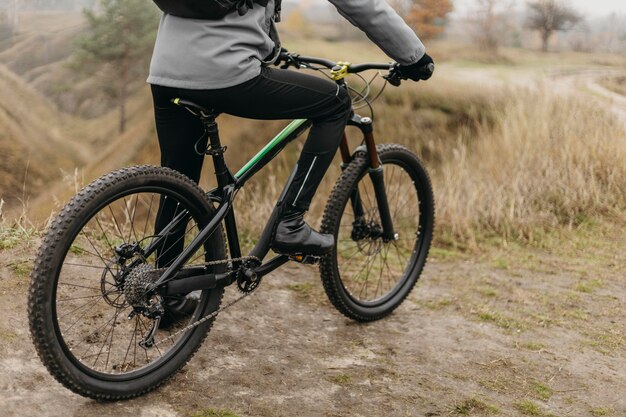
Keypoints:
pixel 421 70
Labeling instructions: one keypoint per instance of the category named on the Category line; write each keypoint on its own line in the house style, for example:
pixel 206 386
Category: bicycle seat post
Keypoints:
pixel 216 150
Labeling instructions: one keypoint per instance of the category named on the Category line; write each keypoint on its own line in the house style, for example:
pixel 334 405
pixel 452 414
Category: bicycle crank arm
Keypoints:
pixel 279 260
pixel 273 264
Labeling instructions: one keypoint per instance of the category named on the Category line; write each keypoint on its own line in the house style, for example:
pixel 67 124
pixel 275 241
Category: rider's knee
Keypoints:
pixel 339 108
pixel 345 102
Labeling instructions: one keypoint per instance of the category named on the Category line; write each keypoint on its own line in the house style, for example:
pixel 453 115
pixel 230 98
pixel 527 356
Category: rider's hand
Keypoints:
pixel 421 70
pixel 283 58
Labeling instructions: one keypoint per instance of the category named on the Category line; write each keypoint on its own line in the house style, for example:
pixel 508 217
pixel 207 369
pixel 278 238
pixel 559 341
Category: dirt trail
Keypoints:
pixel 586 82
pixel 583 81
pixel 514 331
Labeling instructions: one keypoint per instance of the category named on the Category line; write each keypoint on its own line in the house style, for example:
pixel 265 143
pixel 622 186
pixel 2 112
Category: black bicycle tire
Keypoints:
pixel 331 220
pixel 49 261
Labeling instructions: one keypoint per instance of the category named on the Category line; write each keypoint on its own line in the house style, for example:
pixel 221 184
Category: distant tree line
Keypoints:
pixel 492 22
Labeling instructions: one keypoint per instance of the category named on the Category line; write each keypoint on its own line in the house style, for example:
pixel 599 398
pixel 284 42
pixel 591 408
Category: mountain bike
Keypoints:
pixel 130 274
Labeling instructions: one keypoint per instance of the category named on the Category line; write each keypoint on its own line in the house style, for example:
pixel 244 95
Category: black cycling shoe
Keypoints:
pixel 292 236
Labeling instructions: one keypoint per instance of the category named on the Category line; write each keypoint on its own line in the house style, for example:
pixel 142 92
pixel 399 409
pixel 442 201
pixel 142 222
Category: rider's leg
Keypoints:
pixel 178 131
pixel 291 234
pixel 282 94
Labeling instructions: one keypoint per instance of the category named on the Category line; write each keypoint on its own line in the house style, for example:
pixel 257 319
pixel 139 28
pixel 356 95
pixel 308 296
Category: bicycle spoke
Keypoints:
pixel 172 245
pixel 94 248
pixel 365 281
pixel 104 234
pixel 145 227
pixel 110 332
pixel 367 270
pixel 78 298
pixel 79 286
pixel 132 219
pixel 117 226
pixel 93 333
pixel 78 308
pixel 130 342
pixel 90 300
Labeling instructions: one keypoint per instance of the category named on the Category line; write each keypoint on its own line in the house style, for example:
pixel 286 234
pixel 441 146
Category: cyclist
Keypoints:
pixel 223 65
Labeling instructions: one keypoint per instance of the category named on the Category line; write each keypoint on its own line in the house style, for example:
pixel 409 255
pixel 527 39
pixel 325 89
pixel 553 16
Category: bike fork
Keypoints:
pixel 355 198
pixel 376 174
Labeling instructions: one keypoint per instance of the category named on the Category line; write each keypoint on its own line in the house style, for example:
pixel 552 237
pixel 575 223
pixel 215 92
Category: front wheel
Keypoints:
pixel 367 276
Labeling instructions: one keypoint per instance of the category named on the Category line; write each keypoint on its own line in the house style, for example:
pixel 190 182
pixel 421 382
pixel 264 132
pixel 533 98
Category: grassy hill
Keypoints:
pixel 40 52
pixel 34 148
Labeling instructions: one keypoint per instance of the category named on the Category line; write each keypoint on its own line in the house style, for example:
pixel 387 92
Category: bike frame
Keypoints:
pixel 228 186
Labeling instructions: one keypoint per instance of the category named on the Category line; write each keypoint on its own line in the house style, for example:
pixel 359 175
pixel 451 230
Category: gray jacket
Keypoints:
pixel 204 54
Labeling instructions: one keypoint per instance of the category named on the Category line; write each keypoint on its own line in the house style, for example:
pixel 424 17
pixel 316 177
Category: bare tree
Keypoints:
pixel 489 23
pixel 548 16
pixel 118 46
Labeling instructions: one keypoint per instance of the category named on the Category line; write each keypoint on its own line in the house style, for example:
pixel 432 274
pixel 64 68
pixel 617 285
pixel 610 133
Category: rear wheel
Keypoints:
pixel 90 317
pixel 366 277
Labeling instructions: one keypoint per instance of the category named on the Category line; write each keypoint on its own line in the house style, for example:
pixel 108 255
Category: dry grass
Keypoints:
pixel 547 162
pixel 616 84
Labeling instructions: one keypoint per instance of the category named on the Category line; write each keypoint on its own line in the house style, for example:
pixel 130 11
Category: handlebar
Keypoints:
pixel 286 60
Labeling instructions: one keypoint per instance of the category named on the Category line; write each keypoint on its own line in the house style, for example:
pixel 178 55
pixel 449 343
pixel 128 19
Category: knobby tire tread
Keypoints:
pixel 39 289
pixel 332 218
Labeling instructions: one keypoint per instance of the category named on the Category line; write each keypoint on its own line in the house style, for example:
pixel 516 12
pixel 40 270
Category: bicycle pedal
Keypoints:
pixel 305 259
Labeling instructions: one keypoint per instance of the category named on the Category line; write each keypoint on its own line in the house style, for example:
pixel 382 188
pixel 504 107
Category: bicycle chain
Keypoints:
pixel 219 310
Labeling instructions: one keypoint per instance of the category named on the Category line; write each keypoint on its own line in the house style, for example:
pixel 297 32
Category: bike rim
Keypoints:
pixel 372 271
pixel 85 284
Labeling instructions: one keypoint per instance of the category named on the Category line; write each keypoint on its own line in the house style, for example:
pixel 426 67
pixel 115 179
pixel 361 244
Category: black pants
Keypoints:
pixel 274 94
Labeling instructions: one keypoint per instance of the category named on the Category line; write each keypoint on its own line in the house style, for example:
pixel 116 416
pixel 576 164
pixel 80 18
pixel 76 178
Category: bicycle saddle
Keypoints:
pixel 195 108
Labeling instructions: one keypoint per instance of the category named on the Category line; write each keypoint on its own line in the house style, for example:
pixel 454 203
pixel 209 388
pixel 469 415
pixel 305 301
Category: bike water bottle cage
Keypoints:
pixel 213 9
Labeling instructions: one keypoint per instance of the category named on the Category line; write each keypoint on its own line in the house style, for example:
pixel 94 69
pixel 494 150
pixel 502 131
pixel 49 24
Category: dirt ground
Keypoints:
pixel 514 332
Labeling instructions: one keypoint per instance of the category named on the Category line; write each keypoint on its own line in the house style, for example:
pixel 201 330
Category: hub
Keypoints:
pixel 362 229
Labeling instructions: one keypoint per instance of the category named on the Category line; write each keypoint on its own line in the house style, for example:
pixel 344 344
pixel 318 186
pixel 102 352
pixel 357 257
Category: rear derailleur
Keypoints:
pixel 154 311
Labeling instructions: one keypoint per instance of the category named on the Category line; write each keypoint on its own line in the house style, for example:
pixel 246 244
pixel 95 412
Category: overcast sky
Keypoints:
pixel 588 7
pixel 600 6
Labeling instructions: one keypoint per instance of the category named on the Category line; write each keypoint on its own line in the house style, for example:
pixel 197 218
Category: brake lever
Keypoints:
pixel 291 60
pixel 394 78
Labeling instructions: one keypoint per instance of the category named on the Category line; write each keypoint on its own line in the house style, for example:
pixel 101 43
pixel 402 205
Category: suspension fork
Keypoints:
pixel 376 174
pixel 355 198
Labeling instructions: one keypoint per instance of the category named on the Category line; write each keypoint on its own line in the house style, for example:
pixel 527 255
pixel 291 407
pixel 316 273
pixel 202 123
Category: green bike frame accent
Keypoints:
pixel 284 134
